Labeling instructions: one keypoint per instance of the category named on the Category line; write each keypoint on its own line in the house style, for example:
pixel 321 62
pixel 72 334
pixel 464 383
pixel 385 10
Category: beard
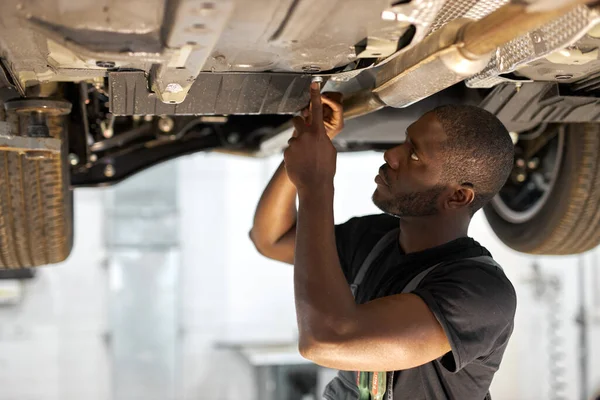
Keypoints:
pixel 420 204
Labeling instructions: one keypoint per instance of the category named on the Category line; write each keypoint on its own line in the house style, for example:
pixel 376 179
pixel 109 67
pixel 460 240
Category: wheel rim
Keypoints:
pixel 519 202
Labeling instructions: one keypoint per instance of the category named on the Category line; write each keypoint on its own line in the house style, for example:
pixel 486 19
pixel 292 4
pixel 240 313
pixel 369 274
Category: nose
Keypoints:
pixel 391 157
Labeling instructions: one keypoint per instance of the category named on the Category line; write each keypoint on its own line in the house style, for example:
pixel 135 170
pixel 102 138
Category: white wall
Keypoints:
pixel 52 345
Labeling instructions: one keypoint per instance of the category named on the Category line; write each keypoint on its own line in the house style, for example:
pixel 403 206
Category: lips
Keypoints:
pixel 380 178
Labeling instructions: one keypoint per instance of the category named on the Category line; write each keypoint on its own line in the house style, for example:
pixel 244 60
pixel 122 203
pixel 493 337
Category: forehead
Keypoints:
pixel 427 133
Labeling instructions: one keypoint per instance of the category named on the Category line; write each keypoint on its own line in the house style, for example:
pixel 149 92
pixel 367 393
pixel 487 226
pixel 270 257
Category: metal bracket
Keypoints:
pixel 193 20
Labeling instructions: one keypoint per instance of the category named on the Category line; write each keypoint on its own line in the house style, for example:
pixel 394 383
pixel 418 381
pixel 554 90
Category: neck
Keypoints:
pixel 422 233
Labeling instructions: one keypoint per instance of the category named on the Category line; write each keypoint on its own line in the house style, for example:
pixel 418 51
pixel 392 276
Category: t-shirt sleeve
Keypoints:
pixel 356 237
pixel 475 306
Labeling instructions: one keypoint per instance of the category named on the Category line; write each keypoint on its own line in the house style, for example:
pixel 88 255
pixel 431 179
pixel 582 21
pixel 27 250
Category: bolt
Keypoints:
pixel 173 88
pixel 521 177
pixel 148 118
pixel 108 132
pixel 109 171
pixel 318 79
pixel 73 159
pixel 105 64
pixel 533 163
pixel 93 158
pixel 520 162
pixel 563 77
pixel 166 124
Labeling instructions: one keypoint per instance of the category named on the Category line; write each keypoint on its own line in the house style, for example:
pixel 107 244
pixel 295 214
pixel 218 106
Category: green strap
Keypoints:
pixel 371 385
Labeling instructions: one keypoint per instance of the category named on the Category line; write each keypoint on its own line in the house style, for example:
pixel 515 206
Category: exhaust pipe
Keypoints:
pixel 458 50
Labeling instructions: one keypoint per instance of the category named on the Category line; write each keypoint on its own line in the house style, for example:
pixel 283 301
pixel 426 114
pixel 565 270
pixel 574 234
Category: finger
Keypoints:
pixel 299 125
pixel 335 96
pixel 305 112
pixel 316 104
pixel 336 107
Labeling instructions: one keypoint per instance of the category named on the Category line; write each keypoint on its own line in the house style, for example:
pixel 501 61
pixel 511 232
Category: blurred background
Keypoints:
pixel 164 297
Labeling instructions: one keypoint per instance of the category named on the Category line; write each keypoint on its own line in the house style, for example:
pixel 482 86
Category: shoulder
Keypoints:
pixel 482 284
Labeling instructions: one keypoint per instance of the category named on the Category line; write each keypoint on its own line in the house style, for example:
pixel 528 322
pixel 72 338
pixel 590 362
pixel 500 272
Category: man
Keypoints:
pixel 445 339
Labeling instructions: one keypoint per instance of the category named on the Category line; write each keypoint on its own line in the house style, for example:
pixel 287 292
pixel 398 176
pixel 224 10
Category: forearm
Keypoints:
pixel 324 302
pixel 276 211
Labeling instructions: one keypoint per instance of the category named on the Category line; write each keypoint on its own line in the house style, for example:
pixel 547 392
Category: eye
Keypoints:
pixel 414 156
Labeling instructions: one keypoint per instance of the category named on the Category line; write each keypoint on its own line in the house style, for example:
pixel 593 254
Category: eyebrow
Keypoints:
pixel 410 140
pixel 417 149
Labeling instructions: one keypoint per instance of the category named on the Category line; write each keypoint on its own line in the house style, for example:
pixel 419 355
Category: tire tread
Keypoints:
pixel 34 214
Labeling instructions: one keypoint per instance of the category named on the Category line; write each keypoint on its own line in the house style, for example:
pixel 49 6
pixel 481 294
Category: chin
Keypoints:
pixel 376 197
pixel 379 201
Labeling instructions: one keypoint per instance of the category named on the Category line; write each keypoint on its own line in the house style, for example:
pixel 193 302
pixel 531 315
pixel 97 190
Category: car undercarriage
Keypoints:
pixel 95 91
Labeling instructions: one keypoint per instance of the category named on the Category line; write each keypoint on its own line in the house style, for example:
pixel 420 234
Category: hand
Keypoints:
pixel 311 157
pixel 333 113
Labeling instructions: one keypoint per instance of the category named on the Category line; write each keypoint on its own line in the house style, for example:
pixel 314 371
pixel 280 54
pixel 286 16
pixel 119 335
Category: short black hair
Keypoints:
pixel 478 152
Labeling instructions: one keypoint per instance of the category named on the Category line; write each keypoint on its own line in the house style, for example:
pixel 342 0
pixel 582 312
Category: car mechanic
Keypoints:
pixel 446 337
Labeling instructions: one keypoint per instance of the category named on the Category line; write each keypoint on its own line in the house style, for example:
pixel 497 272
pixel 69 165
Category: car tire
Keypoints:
pixel 36 208
pixel 569 220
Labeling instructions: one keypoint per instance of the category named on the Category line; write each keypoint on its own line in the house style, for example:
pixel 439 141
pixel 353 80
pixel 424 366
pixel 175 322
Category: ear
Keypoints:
pixel 461 196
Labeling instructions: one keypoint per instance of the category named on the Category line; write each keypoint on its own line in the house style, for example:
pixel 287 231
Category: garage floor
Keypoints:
pixel 164 297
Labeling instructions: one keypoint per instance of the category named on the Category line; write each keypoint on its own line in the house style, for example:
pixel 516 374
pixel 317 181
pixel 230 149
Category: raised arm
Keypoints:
pixel 274 229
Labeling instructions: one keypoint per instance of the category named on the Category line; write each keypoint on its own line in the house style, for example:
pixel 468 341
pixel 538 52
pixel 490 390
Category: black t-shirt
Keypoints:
pixel 474 304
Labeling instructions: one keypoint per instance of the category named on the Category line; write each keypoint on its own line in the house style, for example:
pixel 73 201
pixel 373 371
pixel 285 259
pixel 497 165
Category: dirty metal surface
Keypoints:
pixel 212 93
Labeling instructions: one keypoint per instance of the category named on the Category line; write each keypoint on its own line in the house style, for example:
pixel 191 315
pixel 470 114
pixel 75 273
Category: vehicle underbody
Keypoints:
pixel 96 91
